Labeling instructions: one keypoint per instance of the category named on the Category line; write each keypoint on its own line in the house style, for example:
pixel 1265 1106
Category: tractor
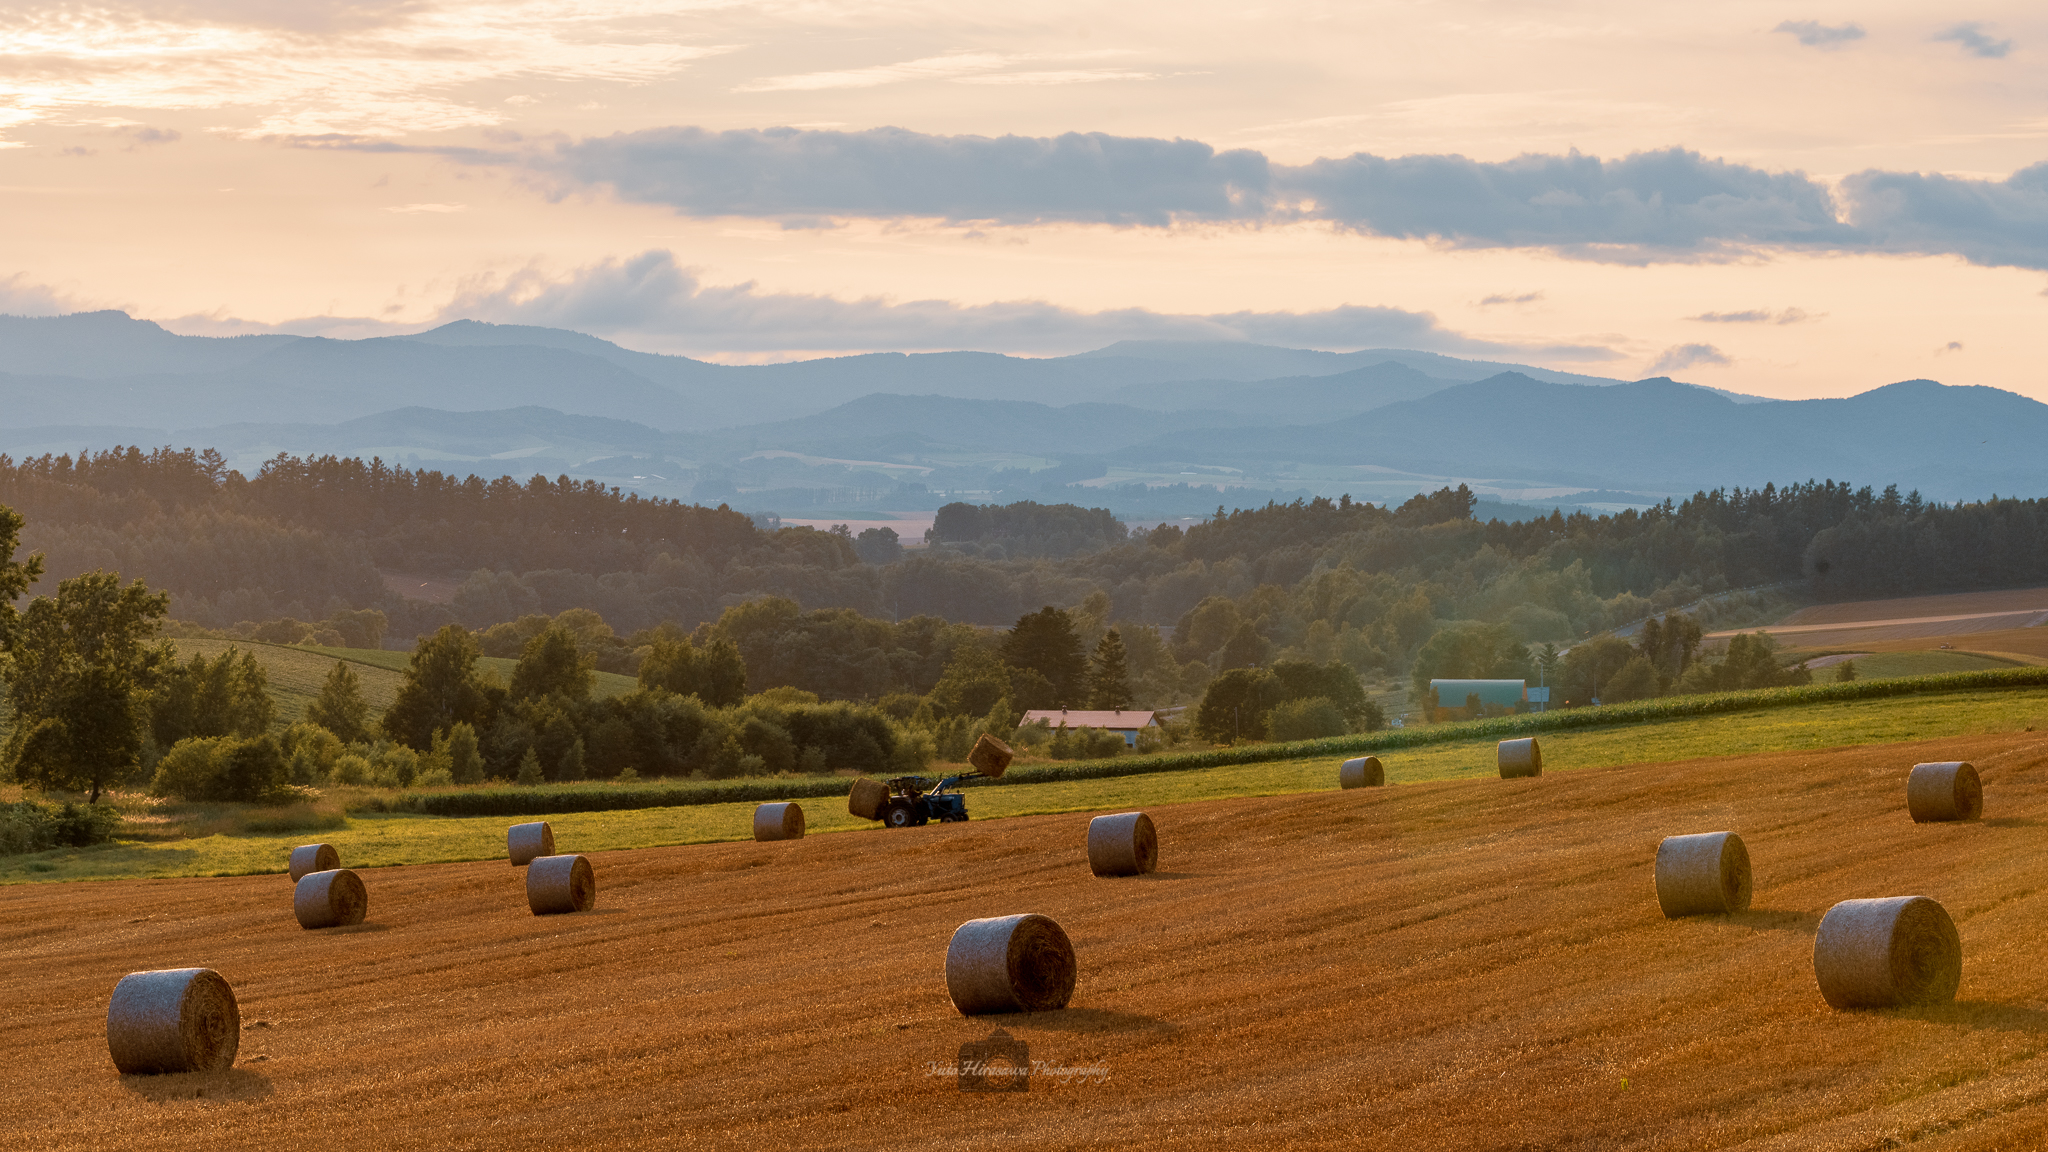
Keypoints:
pixel 913 801
pixel 908 801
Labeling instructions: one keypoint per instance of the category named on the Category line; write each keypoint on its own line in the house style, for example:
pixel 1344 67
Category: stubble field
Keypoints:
pixel 1460 964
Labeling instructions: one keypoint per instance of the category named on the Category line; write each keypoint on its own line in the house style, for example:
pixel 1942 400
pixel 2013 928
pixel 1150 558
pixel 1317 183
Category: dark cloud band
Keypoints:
pixel 1661 206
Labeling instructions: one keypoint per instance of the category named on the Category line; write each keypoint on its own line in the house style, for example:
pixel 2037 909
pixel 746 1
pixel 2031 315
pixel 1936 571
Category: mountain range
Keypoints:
pixel 1177 419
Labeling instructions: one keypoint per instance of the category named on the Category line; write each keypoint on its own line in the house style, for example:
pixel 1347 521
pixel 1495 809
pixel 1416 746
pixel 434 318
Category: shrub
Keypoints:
pixel 31 827
pixel 1310 719
pixel 225 769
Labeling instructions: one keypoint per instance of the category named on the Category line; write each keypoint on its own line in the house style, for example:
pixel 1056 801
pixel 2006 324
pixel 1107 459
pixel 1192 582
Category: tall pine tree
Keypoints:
pixel 1109 681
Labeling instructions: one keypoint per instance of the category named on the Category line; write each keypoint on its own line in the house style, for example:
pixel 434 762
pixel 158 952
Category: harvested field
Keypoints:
pixel 2027 645
pixel 1462 964
pixel 1950 604
pixel 1921 621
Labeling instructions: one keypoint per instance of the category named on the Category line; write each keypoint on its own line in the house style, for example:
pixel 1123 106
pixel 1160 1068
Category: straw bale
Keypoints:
pixel 1520 758
pixel 1887 953
pixel 310 858
pixel 526 843
pixel 779 822
pixel 173 1020
pixel 1947 791
pixel 867 798
pixel 991 757
pixel 1010 964
pixel 1364 772
pixel 1703 873
pixel 331 899
pixel 1122 845
pixel 557 884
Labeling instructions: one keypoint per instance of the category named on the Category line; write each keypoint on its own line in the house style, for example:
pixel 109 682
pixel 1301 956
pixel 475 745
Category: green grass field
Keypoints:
pixel 609 684
pixel 295 674
pixel 376 840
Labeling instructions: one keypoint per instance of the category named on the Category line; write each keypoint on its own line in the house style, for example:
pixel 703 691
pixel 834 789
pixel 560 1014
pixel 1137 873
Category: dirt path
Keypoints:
pixel 1462 965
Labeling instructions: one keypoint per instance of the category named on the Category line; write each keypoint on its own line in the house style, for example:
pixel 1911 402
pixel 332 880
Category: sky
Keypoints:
pixel 1785 199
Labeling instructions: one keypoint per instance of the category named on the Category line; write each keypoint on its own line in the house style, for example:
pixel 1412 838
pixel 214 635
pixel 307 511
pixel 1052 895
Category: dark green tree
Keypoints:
pixel 715 674
pixel 1245 648
pixel 80 663
pixel 465 765
pixel 1109 680
pixel 441 689
pixel 226 696
pixel 1045 642
pixel 1236 705
pixel 552 665
pixel 340 708
pixel 1471 652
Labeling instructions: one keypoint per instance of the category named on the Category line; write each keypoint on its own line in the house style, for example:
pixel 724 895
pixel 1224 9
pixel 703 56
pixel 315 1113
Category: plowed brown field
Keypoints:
pixel 1462 965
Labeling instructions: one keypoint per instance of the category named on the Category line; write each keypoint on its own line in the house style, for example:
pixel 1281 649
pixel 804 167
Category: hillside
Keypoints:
pixel 1469 965
pixel 295 674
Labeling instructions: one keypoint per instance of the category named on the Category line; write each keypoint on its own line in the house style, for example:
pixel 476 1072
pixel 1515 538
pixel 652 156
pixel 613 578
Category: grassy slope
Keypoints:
pixel 609 684
pixel 296 674
pixel 380 840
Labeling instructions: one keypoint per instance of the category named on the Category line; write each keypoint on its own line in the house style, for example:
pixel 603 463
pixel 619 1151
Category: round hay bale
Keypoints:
pixel 779 822
pixel 1948 791
pixel 1520 758
pixel 331 899
pixel 1887 953
pixel 1122 845
pixel 526 843
pixel 560 884
pixel 1010 964
pixel 867 798
pixel 310 858
pixel 991 757
pixel 1708 872
pixel 173 1020
pixel 1364 772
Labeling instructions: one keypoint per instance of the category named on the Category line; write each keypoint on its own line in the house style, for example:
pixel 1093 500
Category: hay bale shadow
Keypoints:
pixel 235 1085
pixel 1091 1020
pixel 1767 920
pixel 352 929
pixel 1166 876
pixel 2012 822
pixel 1979 1015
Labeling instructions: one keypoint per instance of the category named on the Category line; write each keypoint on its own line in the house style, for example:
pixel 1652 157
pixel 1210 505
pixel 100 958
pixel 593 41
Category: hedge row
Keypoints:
pixel 510 801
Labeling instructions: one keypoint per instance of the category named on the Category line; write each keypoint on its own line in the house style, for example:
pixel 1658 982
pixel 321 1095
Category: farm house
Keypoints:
pixel 1125 723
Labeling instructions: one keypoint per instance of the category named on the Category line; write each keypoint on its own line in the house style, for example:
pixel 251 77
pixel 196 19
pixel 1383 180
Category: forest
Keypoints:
pixel 302 547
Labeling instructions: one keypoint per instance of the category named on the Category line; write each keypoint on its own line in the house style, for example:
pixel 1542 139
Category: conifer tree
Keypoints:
pixel 340 708
pixel 1109 681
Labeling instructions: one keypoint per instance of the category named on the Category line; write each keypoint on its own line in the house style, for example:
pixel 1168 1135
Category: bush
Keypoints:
pixel 1310 719
pixel 225 769
pixel 31 827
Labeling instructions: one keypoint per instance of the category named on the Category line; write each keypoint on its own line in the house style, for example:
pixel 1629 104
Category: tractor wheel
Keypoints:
pixel 897 814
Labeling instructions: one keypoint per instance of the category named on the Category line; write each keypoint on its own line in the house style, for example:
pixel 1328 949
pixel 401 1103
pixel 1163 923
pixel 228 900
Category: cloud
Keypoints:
pixel 1951 346
pixel 1671 204
pixel 1680 356
pixel 650 300
pixel 1970 35
pixel 1995 223
pixel 1509 298
pixel 1755 316
pixel 333 66
pixel 142 136
pixel 1814 34
pixel 21 297
pixel 890 172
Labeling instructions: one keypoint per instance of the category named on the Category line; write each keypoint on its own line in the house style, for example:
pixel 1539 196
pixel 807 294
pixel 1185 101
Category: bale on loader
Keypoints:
pixel 1520 758
pixel 1946 791
pixel 1364 772
pixel 1009 964
pixel 526 843
pixel 331 899
pixel 991 757
pixel 778 822
pixel 1703 873
pixel 867 798
pixel 1122 845
pixel 1887 953
pixel 173 1020
pixel 310 858
pixel 556 884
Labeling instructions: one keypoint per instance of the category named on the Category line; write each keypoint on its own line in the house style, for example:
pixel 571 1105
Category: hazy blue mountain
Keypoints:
pixel 106 345
pixel 1292 399
pixel 1660 435
pixel 901 424
pixel 1228 360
